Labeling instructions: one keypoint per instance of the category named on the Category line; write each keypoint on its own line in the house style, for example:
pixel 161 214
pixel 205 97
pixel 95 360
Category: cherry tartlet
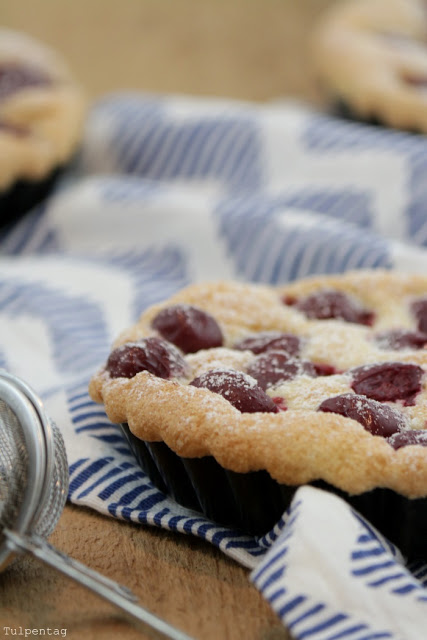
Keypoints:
pixel 232 395
pixel 370 56
pixel 42 111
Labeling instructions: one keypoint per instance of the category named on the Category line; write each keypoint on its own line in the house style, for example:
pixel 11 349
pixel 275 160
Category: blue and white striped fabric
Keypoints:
pixel 171 190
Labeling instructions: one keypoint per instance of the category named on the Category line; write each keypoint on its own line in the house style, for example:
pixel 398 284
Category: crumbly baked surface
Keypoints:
pixel 372 54
pixel 42 110
pixel 298 443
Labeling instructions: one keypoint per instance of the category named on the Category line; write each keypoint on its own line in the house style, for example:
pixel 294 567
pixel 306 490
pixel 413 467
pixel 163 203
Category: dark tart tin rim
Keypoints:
pixel 254 502
pixel 23 195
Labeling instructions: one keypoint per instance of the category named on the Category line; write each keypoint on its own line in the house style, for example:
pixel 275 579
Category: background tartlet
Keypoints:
pixel 371 59
pixel 42 111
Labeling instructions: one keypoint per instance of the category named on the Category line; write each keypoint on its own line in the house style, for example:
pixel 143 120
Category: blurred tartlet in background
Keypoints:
pixel 371 58
pixel 42 112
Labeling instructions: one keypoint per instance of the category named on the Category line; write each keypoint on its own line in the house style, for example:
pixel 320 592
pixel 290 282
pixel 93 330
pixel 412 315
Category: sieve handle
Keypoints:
pixel 115 593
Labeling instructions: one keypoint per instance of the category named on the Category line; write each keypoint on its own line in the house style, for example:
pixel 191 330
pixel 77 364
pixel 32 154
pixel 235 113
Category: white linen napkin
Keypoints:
pixel 169 190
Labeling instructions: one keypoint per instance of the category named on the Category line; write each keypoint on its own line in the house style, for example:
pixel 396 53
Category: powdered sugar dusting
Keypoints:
pixel 308 393
pixel 218 358
pixel 341 344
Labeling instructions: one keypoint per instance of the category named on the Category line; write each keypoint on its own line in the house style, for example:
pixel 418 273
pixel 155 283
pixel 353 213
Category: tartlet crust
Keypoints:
pixel 51 115
pixel 362 51
pixel 296 446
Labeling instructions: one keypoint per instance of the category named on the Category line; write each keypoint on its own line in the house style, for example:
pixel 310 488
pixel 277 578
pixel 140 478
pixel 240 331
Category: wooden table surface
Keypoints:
pixel 248 49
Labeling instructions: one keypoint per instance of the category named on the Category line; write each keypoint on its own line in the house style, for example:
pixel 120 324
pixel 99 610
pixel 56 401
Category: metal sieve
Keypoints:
pixel 33 491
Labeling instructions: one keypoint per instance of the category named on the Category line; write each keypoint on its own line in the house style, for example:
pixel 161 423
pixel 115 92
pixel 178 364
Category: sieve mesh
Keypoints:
pixel 57 497
pixel 13 466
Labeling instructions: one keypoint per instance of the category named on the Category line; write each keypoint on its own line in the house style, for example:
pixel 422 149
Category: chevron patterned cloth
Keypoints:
pixel 169 190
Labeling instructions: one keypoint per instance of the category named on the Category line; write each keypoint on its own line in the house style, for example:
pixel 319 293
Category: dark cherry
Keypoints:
pixel 388 381
pixel 13 129
pixel 274 367
pixel 267 340
pixel 188 327
pixel 280 403
pixel 238 388
pixel 415 80
pixel 401 339
pixel 419 309
pixel 14 77
pixel 378 418
pixel 328 304
pixel 407 437
pixel 154 355
pixel 323 369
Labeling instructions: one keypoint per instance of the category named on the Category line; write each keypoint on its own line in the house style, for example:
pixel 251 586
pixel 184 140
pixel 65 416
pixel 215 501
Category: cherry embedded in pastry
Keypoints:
pixel 14 77
pixel 268 340
pixel 323 369
pixel 280 403
pixel 417 81
pixel 328 304
pixel 419 309
pixel 274 367
pixel 154 355
pixel 239 389
pixel 398 339
pixel 377 418
pixel 408 437
pixel 189 328
pixel 17 130
pixel 388 381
